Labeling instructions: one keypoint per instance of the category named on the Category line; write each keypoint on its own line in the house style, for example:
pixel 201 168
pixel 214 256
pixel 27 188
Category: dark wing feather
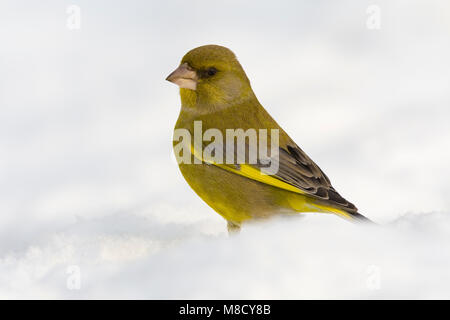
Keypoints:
pixel 297 169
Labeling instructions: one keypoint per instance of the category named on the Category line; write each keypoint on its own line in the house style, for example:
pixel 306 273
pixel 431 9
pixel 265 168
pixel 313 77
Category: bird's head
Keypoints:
pixel 211 75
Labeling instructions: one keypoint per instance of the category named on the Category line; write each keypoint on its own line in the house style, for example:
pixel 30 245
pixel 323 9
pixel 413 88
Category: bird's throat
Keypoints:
pixel 188 98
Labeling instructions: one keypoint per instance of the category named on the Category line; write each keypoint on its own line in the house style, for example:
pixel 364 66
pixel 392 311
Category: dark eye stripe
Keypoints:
pixel 212 71
pixel 206 73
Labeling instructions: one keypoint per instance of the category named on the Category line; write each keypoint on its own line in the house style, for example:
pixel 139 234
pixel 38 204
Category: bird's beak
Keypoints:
pixel 184 76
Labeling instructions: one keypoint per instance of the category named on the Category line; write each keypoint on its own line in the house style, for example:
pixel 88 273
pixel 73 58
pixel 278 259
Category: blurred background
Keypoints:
pixel 88 179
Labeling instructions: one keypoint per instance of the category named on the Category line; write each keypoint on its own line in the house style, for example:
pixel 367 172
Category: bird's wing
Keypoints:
pixel 296 173
pixel 297 169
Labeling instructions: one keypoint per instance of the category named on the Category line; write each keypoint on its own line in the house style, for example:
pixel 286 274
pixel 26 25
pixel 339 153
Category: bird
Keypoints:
pixel 216 92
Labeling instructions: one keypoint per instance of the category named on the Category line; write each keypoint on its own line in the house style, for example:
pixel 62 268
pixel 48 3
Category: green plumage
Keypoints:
pixel 223 99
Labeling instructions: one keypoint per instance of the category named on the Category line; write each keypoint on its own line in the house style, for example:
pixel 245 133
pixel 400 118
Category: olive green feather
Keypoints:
pixel 223 99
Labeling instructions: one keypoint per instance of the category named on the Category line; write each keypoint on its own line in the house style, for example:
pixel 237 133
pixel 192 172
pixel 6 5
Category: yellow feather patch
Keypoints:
pixel 302 205
pixel 252 173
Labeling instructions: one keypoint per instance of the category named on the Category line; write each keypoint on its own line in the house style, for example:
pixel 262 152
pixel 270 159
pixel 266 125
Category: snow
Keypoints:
pixel 92 204
pixel 138 256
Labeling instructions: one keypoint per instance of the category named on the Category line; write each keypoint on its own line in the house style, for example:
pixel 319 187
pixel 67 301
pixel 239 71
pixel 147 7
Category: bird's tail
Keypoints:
pixel 358 217
pixel 306 204
pixel 352 216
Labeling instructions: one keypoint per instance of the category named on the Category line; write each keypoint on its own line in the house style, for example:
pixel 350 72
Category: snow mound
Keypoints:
pixel 317 256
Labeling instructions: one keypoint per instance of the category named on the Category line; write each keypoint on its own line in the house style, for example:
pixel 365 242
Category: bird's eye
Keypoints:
pixel 211 71
pixel 207 72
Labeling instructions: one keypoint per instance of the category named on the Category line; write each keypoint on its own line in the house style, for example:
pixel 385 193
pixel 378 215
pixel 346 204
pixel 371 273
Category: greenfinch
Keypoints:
pixel 216 93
